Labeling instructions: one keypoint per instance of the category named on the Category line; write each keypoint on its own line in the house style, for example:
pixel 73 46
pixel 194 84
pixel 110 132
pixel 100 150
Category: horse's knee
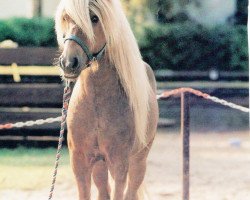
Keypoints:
pixel 120 171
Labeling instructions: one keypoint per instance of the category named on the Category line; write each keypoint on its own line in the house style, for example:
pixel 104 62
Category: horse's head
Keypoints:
pixel 79 47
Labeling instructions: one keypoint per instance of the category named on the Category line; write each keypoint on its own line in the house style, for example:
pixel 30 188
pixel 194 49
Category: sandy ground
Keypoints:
pixel 220 165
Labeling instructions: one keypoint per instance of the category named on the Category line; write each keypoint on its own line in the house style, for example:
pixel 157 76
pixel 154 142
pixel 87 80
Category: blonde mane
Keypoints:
pixel 122 50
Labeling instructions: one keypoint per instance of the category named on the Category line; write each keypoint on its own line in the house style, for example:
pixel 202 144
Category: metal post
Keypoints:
pixel 185 118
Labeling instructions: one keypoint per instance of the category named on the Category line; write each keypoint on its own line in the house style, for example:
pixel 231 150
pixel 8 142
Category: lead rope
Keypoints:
pixel 66 97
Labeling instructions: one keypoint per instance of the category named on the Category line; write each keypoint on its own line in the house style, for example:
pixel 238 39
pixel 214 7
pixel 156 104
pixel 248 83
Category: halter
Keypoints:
pixel 91 57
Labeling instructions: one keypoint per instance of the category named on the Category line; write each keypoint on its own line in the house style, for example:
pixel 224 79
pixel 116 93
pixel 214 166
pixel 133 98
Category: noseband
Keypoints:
pixel 91 57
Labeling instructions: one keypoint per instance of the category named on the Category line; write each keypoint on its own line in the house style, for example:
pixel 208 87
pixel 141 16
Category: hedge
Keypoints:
pixel 242 12
pixel 185 46
pixel 29 32
pixel 189 46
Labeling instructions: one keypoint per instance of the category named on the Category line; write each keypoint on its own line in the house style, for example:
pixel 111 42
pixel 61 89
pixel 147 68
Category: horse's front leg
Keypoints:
pixel 118 166
pixel 120 170
pixel 136 173
pixel 100 177
pixel 80 159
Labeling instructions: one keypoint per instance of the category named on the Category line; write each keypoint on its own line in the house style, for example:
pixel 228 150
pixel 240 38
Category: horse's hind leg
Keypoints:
pixel 136 173
pixel 100 176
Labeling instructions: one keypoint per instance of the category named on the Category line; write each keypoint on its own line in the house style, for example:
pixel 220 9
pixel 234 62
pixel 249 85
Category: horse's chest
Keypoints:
pixel 103 107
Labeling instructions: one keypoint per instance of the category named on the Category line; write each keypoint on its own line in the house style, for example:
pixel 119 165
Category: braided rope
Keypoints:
pixel 174 92
pixel 165 94
pixel 31 123
pixel 66 98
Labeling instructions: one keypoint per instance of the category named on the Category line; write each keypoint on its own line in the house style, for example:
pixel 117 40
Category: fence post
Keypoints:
pixel 185 119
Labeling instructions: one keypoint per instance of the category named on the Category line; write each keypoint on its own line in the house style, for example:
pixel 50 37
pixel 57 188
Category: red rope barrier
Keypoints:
pixel 163 95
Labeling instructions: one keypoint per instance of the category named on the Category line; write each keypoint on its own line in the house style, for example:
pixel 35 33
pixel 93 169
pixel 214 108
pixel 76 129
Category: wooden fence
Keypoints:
pixel 31 89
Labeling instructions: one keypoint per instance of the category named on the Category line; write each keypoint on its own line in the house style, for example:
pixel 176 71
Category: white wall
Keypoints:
pixel 49 7
pixel 211 12
pixel 13 8
pixel 22 8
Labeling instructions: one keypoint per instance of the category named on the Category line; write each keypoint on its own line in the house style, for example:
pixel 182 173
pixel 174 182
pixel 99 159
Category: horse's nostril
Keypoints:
pixel 69 64
pixel 75 63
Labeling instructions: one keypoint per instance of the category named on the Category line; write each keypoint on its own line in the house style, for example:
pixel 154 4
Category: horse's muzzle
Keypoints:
pixel 71 67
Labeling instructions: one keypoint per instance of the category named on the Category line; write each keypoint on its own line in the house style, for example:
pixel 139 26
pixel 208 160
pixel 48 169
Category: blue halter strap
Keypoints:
pixel 91 57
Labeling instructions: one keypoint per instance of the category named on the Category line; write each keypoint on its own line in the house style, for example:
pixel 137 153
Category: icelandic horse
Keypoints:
pixel 113 111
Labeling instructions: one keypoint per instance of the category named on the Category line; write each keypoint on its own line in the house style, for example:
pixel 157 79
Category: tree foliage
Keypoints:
pixel 189 46
pixel 29 32
pixel 242 12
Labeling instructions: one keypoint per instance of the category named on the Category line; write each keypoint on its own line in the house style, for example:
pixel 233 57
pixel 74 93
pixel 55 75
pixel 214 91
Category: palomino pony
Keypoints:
pixel 113 111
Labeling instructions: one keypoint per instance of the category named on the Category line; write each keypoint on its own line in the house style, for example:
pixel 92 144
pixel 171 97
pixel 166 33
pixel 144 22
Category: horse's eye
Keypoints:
pixel 65 17
pixel 94 19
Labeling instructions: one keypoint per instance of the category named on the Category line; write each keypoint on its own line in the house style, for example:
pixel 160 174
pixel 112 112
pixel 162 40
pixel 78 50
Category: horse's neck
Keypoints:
pixel 104 73
pixel 103 79
pixel 100 83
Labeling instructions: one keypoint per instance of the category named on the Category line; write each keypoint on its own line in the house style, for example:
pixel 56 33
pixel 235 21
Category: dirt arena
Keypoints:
pixel 220 164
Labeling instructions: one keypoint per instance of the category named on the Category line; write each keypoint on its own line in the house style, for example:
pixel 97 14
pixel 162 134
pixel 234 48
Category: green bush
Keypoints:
pixel 185 46
pixel 5 30
pixel 190 46
pixel 29 32
pixel 242 12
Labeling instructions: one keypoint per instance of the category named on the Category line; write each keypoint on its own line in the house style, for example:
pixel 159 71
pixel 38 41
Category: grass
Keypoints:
pixel 30 169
